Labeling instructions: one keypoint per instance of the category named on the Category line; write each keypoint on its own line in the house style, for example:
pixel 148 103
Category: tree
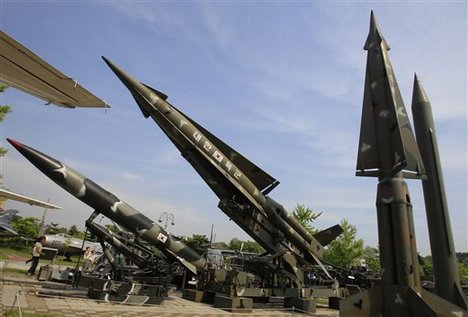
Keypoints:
pixel 112 227
pixel 4 109
pixel 426 268
pixel 197 240
pixel 55 230
pixel 26 226
pixel 345 250
pixel 247 246
pixel 463 270
pixel 305 216
pixel 75 232
pixel 235 244
pixel 252 246
pixel 372 257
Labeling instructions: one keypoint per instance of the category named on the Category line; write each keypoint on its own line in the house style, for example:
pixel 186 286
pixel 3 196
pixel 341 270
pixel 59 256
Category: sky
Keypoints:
pixel 280 81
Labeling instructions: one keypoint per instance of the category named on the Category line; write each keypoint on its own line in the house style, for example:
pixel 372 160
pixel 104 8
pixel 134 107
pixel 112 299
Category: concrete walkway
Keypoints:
pixel 22 293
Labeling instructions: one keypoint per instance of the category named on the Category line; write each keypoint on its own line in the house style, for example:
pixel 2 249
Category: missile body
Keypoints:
pixel 240 185
pixel 388 150
pixel 111 206
pixel 395 149
pixel 447 281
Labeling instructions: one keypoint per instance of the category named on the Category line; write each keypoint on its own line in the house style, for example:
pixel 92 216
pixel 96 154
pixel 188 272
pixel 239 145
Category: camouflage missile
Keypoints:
pixel 111 206
pixel 447 281
pixel 388 150
pixel 234 173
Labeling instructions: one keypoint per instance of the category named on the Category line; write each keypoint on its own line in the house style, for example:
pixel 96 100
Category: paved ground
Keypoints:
pixel 22 293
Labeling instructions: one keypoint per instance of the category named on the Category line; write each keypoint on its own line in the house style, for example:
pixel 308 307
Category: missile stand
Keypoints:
pixel 279 272
pixel 134 273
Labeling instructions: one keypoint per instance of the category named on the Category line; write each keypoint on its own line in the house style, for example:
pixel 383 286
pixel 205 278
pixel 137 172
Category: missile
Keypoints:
pixel 388 150
pixel 239 183
pixel 111 206
pixel 447 281
pixel 386 144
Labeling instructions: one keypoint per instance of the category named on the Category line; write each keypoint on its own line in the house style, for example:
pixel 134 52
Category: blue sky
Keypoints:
pixel 281 82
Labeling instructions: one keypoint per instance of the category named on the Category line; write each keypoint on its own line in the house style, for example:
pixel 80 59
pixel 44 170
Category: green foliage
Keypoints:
pixel 197 240
pixel 372 257
pixel 427 271
pixel 220 245
pixel 248 246
pixel 252 246
pixel 235 244
pixel 345 250
pixel 26 226
pixel 462 265
pixel 75 232
pixel 112 227
pixel 16 250
pixel 55 230
pixel 15 313
pixel 4 109
pixel 463 270
pixel 305 216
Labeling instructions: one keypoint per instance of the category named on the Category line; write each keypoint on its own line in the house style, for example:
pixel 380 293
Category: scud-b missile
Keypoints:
pixel 240 185
pixel 111 206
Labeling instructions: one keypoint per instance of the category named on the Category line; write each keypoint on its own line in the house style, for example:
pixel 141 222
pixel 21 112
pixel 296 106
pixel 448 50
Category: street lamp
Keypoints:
pixel 166 217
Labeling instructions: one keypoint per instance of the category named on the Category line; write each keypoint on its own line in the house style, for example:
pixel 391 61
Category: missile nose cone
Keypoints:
pixel 108 62
pixel 375 37
pixel 144 95
pixel 126 79
pixel 16 144
pixel 42 161
pixel 419 95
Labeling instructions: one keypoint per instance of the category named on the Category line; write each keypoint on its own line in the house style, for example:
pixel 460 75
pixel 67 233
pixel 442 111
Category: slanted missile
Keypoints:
pixel 447 281
pixel 240 185
pixel 111 206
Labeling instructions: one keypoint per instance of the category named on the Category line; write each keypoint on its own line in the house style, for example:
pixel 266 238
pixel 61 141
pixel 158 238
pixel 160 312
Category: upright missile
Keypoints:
pixel 111 206
pixel 233 178
pixel 387 150
pixel 447 281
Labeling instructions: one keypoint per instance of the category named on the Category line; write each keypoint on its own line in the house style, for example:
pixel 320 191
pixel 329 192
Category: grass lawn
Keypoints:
pixel 10 253
pixel 22 254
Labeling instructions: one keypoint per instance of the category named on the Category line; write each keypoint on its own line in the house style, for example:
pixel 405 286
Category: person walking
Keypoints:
pixel 36 254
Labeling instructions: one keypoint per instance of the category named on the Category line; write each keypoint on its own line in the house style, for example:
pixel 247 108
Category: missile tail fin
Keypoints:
pixel 161 95
pixel 328 235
